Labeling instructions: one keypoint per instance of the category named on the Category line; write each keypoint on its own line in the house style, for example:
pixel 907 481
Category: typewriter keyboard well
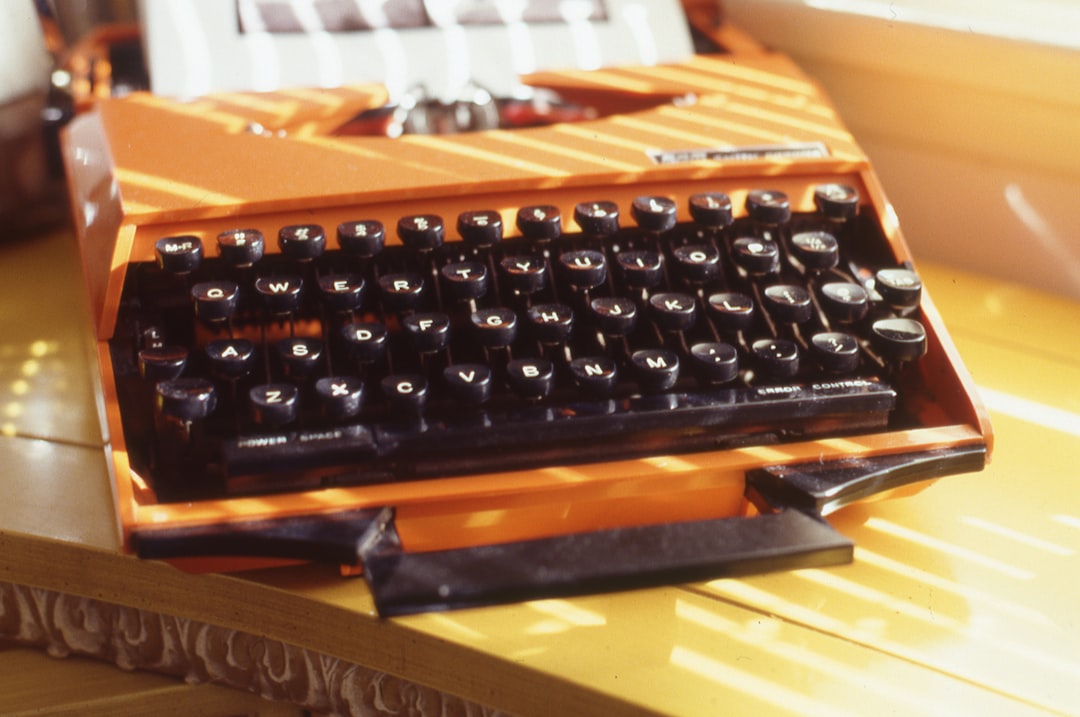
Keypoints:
pixel 344 358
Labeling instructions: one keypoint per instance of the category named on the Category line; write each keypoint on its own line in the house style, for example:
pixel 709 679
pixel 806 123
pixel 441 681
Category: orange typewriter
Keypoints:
pixel 650 331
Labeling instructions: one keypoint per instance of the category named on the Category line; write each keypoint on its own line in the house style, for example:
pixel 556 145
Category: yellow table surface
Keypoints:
pixel 962 599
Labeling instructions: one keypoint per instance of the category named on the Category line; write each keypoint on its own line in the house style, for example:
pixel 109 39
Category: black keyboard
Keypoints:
pixel 595 332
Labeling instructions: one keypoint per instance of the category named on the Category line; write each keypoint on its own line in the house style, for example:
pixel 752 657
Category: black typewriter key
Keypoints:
pixel 673 311
pixel 480 228
pixel 597 218
pixel 656 369
pixel 641 269
pixel 731 311
pixel 342 292
pixel 469 382
pixel 494 328
pixel 422 232
pixel 299 357
pixel 551 323
pixel 405 393
pixel 788 303
pixel 595 375
pixel 303 242
pixel 365 342
pixel 654 214
pixel 900 288
pixel 162 363
pixel 179 255
pixel 524 274
pixel 844 302
pixel 585 269
pixel 715 361
pixel 768 206
pixel 340 396
pixel 899 339
pixel 778 358
pixel 614 316
pixel 465 280
pixel 274 404
pixel 401 292
pixel 230 358
pixel 362 239
pixel 281 295
pixel 531 378
pixel 428 332
pixel 186 399
pixel 698 263
pixel 816 251
pixel 540 223
pixel 835 351
pixel 215 300
pixel 756 256
pixel 241 247
pixel 836 202
pixel 711 209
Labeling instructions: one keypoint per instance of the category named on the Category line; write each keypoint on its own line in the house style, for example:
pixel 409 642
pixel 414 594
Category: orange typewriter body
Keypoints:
pixel 143 168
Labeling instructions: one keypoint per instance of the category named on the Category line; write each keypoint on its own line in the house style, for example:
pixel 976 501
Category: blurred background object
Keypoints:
pixel 30 195
pixel 969 112
pixel 40 43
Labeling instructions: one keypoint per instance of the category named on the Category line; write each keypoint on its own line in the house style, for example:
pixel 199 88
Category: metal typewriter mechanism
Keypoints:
pixel 656 344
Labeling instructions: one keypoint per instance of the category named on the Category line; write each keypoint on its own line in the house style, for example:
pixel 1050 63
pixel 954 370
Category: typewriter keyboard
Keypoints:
pixel 290 357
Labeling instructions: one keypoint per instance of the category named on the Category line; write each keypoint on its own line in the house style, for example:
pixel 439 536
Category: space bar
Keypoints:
pixel 516 436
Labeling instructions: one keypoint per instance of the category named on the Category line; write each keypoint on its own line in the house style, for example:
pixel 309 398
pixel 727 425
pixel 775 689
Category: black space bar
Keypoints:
pixel 528 429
